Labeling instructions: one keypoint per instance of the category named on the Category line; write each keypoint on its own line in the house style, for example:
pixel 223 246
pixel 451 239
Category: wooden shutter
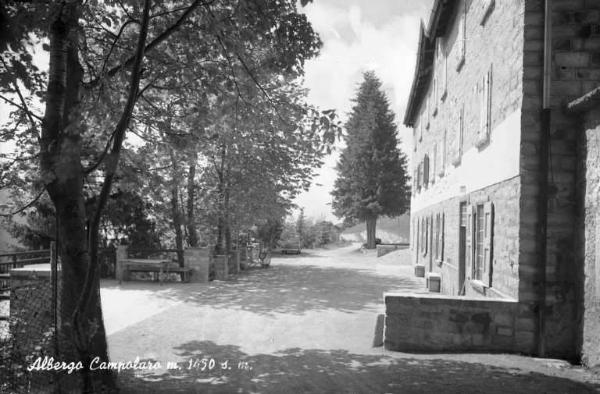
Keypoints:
pixel 485 106
pixel 443 236
pixel 416 237
pixel 482 107
pixel 460 41
pixel 426 235
pixel 426 171
pixel 443 158
pixel 488 245
pixel 488 103
pixel 470 240
pixel 444 75
pixel 435 163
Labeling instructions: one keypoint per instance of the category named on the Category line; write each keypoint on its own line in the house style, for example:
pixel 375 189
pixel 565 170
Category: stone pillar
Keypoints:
pixel 221 267
pixel 243 258
pixel 236 256
pixel 121 254
pixel 234 262
pixel 198 259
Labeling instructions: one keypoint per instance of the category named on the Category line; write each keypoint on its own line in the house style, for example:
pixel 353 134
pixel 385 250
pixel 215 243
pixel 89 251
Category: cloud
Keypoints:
pixel 358 37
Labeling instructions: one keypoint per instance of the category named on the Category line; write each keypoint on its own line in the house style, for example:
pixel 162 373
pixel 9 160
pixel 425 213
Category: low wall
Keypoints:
pixel 438 323
pixel 383 249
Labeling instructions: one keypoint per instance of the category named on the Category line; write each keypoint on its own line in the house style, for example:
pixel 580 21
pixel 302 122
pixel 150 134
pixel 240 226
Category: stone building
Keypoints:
pixel 506 180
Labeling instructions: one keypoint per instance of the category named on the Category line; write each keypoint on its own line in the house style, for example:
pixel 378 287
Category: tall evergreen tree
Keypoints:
pixel 372 179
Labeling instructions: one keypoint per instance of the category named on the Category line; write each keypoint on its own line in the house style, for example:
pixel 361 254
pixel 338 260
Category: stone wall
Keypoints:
pixel 505 197
pixel 467 172
pixel 437 323
pixel 575 66
pixel 591 238
pixel 198 259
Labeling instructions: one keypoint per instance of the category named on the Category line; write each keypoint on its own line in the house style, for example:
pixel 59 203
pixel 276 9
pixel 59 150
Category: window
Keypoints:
pixel 426 171
pixel 435 161
pixel 459 45
pixel 437 237
pixel 423 235
pixel 487 6
pixel 434 93
pixel 483 246
pixel 485 109
pixel 442 169
pixel 444 72
pixel 459 137
pixel 427 114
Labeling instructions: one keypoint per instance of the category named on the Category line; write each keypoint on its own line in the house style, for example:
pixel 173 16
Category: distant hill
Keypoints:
pixel 390 230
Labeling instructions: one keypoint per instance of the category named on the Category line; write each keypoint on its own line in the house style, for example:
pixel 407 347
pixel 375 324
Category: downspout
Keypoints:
pixel 543 178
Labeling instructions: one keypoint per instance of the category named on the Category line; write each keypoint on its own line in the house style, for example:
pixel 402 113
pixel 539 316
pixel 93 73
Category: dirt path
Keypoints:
pixel 304 325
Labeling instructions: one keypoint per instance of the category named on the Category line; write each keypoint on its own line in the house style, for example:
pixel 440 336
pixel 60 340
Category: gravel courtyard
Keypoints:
pixel 304 325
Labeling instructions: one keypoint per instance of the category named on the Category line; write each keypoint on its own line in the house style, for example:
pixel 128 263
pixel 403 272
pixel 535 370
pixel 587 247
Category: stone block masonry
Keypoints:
pixel 198 259
pixel 438 323
pixel 221 267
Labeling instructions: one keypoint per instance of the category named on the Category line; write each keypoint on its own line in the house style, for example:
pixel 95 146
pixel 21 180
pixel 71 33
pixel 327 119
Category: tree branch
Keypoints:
pixel 119 136
pixel 153 44
pixel 25 206
pixel 20 107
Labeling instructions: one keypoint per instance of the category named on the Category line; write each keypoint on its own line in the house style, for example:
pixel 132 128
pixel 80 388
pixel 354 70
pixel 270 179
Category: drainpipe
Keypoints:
pixel 543 177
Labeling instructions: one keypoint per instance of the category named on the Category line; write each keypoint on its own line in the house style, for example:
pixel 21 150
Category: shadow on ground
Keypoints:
pixel 285 289
pixel 338 371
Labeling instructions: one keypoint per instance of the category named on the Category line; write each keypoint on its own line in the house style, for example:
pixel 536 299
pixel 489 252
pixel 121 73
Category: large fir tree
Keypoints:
pixel 372 179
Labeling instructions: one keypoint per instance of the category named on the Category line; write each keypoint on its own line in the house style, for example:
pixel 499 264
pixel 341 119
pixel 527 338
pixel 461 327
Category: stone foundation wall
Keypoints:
pixel 437 323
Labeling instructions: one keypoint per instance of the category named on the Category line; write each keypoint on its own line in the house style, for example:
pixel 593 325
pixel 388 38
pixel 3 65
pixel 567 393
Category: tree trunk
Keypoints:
pixel 175 209
pixel 81 330
pixel 191 225
pixel 226 221
pixel 81 335
pixel 371 225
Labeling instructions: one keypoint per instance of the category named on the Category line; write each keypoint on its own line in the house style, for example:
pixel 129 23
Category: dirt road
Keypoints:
pixel 304 325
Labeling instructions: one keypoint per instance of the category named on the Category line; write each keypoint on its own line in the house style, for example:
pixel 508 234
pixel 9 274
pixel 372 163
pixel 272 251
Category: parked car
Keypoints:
pixel 291 246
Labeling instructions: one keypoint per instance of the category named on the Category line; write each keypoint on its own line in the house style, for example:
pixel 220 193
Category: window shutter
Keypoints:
pixel 482 107
pixel 469 239
pixel 435 163
pixel 488 246
pixel 444 71
pixel 460 41
pixel 443 159
pixel 426 171
pixel 488 102
pixel 416 237
pixel 442 236
pixel 461 130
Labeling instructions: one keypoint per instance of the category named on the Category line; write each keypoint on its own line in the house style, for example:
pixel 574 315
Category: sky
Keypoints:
pixel 359 35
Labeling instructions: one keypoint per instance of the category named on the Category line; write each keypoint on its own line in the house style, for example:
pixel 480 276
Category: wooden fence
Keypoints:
pixel 11 260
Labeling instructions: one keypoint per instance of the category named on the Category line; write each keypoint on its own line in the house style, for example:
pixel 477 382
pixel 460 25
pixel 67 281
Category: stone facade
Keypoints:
pixel 489 212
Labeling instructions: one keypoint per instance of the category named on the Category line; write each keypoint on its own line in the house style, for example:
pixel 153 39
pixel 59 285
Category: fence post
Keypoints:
pixel 54 284
pixel 121 254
